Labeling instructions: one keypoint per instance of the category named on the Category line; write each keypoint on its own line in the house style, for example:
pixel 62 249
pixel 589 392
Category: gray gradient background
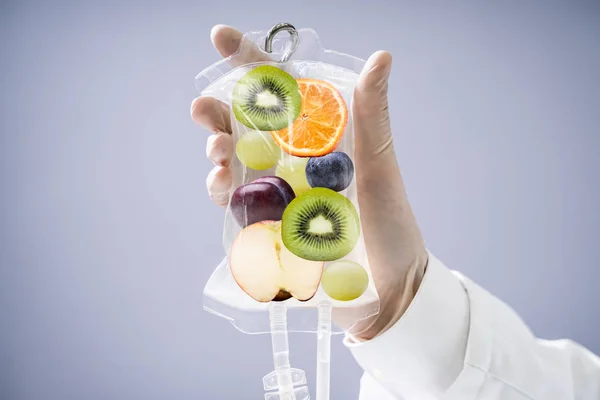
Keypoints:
pixel 108 236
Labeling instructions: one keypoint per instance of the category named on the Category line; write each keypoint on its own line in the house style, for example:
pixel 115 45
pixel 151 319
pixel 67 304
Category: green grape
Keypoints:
pixel 293 170
pixel 257 150
pixel 344 280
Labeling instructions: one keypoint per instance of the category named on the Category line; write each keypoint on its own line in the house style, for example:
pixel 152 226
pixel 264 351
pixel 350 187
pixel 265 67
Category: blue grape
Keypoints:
pixel 333 171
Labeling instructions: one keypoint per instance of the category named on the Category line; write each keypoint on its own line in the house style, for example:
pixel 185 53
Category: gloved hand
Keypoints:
pixel 395 248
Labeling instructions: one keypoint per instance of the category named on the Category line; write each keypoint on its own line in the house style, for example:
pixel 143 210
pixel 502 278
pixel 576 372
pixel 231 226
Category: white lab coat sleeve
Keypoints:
pixel 457 341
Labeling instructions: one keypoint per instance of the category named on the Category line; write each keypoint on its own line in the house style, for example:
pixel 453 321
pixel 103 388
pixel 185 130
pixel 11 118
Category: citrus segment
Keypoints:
pixel 320 124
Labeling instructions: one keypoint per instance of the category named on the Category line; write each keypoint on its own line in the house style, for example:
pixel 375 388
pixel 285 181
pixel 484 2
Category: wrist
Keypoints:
pixel 394 300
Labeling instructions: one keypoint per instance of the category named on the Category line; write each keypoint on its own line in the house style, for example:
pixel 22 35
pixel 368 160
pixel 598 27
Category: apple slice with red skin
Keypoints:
pixel 266 270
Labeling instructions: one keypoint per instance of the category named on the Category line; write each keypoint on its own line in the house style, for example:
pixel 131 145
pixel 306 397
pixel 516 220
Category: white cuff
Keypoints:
pixel 423 353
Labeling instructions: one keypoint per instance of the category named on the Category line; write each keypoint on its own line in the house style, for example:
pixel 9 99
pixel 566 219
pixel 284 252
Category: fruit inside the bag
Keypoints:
pixel 320 225
pixel 321 123
pixel 293 170
pixel 257 150
pixel 333 171
pixel 263 199
pixel 266 98
pixel 344 280
pixel 266 270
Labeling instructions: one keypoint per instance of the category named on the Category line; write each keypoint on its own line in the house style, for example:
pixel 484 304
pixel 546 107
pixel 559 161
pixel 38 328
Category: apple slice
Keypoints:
pixel 266 270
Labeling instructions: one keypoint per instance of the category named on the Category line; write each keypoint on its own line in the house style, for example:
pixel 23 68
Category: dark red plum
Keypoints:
pixel 333 171
pixel 259 201
pixel 286 190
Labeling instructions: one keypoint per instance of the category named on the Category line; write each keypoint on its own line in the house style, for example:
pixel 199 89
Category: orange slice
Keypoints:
pixel 321 123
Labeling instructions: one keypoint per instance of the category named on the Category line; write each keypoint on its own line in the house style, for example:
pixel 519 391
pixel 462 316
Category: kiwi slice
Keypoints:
pixel 320 225
pixel 266 99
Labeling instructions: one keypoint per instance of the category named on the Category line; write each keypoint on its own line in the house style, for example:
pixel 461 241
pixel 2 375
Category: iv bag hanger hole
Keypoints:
pixel 292 44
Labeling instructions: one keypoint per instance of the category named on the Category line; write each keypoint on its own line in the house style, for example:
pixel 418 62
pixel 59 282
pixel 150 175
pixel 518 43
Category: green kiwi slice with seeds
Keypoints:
pixel 320 225
pixel 266 98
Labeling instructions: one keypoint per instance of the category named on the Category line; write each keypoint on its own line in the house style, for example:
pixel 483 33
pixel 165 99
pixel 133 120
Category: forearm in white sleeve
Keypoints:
pixel 457 341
